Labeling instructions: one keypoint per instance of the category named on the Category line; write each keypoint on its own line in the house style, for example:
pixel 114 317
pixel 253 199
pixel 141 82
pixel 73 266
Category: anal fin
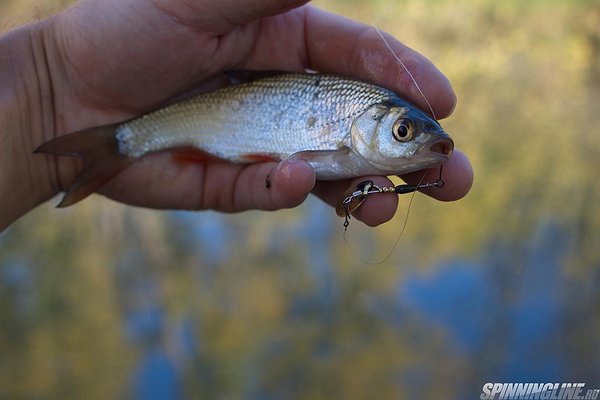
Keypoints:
pixel 191 155
pixel 252 158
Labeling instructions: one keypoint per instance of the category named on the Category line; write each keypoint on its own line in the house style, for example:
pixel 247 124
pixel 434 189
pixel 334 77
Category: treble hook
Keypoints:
pixel 365 188
pixel 355 199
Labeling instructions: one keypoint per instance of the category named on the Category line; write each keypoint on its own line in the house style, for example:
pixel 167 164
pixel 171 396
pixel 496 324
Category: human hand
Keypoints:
pixel 109 61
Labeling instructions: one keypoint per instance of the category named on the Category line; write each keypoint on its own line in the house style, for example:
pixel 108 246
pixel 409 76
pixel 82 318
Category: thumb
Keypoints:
pixel 230 13
pixel 241 11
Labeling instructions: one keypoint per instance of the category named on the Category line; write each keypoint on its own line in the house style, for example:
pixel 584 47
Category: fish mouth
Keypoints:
pixel 443 147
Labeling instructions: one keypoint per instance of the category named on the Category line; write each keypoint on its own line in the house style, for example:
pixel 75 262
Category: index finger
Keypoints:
pixel 368 57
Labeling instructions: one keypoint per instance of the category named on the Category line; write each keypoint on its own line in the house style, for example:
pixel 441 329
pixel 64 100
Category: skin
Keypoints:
pixel 105 61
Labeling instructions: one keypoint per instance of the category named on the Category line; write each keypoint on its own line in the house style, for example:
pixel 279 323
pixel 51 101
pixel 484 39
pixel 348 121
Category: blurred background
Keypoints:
pixel 106 301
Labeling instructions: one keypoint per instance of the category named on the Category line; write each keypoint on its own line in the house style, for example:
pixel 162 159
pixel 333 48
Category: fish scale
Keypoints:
pixel 278 116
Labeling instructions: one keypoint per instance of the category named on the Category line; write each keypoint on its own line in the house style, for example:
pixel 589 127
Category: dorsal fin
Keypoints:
pixel 243 76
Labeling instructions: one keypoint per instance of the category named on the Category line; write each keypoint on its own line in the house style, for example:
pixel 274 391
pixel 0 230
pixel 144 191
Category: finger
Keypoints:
pixel 339 45
pixel 156 181
pixel 221 16
pixel 269 186
pixel 457 175
pixel 375 210
pixel 239 12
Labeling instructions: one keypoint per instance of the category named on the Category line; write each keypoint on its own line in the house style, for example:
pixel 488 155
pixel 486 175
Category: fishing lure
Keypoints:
pixel 354 199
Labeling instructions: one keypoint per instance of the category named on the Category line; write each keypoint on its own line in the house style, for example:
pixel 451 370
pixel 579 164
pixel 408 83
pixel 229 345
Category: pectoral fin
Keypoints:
pixel 343 163
pixel 319 155
pixel 328 164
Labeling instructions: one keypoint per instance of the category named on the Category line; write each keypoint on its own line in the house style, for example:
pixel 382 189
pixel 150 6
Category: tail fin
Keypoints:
pixel 98 148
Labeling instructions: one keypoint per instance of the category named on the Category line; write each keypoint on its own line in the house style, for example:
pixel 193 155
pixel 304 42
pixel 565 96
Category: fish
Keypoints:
pixel 343 127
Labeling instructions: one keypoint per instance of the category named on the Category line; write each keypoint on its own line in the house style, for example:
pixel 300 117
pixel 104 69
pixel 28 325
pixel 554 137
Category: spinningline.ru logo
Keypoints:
pixel 541 391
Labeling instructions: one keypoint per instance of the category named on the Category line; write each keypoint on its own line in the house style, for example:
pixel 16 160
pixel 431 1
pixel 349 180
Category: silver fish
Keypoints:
pixel 343 127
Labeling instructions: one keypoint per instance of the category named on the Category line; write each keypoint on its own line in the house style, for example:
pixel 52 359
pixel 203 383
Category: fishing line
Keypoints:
pixel 406 69
pixel 391 251
pixel 439 183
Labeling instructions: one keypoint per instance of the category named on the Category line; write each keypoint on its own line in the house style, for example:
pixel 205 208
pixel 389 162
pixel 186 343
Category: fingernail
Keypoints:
pixel 286 168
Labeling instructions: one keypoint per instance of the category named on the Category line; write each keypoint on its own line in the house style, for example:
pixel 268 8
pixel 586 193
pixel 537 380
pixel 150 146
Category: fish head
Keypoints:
pixel 397 138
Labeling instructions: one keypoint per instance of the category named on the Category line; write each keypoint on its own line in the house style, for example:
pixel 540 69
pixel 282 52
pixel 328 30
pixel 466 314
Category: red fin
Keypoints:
pixel 191 155
pixel 259 158
pixel 98 149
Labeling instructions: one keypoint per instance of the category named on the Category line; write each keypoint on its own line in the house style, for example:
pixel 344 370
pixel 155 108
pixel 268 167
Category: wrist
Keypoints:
pixel 27 119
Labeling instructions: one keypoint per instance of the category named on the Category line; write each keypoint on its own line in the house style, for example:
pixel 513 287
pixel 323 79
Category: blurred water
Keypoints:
pixel 505 321
pixel 156 377
pixel 521 315
pixel 512 313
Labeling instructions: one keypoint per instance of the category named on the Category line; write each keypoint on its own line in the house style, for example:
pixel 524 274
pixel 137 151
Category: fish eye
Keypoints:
pixel 403 130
